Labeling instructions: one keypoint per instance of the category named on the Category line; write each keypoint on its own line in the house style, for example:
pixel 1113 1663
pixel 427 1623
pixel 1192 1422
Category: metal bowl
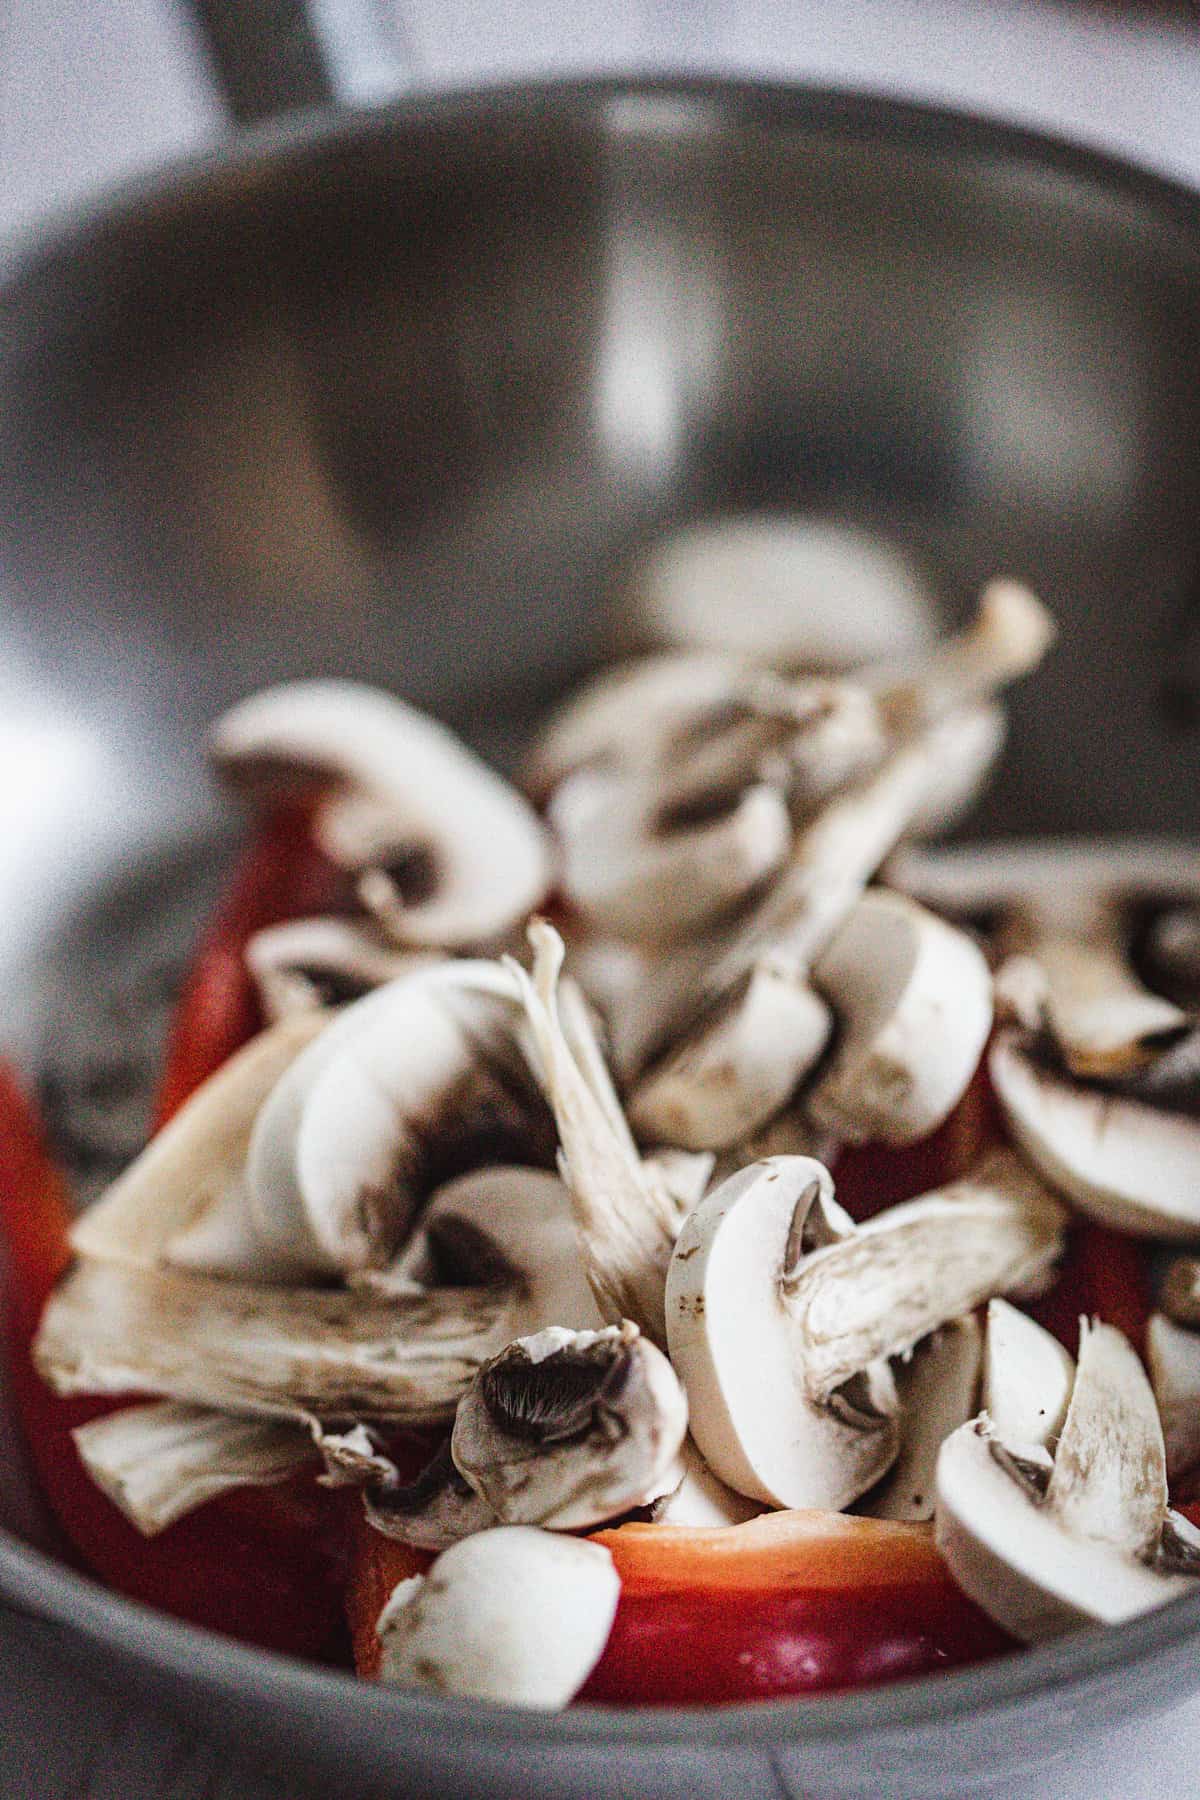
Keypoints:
pixel 400 396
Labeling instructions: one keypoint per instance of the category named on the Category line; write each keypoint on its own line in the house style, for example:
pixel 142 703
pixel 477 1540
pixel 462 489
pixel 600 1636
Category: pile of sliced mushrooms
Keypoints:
pixel 563 1190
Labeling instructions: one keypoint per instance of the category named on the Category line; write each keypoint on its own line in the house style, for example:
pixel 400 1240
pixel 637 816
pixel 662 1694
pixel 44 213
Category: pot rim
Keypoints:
pixel 40 1588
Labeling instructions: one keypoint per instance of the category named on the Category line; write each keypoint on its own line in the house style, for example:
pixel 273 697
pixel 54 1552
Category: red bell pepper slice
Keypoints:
pixel 791 1603
pixel 263 1565
pixel 283 875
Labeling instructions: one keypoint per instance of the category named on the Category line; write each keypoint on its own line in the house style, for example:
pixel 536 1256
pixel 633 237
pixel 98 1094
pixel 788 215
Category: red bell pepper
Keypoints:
pixel 875 1176
pixel 792 1603
pixel 263 1565
pixel 283 875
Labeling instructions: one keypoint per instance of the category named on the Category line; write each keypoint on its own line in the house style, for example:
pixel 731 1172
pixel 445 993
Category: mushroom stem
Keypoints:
pixel 160 1461
pixel 876 1293
pixel 1009 635
pixel 279 1352
pixel 626 1217
pixel 938 1390
pixel 1109 1481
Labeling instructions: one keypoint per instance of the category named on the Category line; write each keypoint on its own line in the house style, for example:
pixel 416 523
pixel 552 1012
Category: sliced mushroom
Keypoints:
pixel 419 1076
pixel 653 866
pixel 437 1509
pixel 732 1074
pixel 1008 636
pixel 728 1076
pixel 511 1226
pixel 1181 1290
pixel 160 1461
pixel 1068 905
pixel 627 1215
pixel 1027 1378
pixel 702 1500
pixel 453 856
pixel 567 1429
pixel 516 1616
pixel 309 963
pixel 1047 1545
pixel 647 714
pixel 781 1315
pixel 1129 1165
pixel 1172 949
pixel 184 1199
pixel 287 1353
pixel 1174 1358
pixel 913 998
pixel 939 1391
pixel 795 592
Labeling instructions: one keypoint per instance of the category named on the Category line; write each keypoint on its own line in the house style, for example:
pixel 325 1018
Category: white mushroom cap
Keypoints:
pixel 1048 1545
pixel 341 1151
pixel 797 592
pixel 456 857
pixel 1027 1377
pixel 307 963
pixel 1174 1358
pixel 516 1616
pixel 939 1391
pixel 732 1342
pixel 654 868
pixel 913 998
pixel 1129 1165
pixel 184 1199
pixel 567 1429
pixel 780 1314
pixel 1066 904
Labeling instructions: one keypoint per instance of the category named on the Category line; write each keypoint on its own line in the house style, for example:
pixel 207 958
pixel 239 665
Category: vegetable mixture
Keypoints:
pixel 666 1235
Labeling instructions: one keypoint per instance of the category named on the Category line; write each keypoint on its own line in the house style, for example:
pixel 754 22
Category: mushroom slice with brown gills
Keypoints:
pixel 1048 1544
pixel 939 1391
pixel 1174 1358
pixel 1070 905
pixel 322 962
pixel 295 1353
pixel 913 998
pixel 1127 1164
pixel 627 1212
pixel 450 855
pixel 505 1225
pixel 516 1616
pixel 795 592
pixel 651 865
pixel 408 1085
pixel 184 1200
pixel 434 1510
pixel 1027 1377
pixel 566 1429
pixel 781 1315
pixel 160 1461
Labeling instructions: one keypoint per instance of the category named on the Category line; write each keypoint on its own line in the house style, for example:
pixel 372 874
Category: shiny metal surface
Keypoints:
pixel 400 397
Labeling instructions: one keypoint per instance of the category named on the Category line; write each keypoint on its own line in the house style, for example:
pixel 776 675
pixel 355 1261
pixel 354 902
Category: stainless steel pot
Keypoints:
pixel 399 393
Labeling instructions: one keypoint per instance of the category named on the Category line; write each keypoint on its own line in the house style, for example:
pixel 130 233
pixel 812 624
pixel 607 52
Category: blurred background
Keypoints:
pixel 93 91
